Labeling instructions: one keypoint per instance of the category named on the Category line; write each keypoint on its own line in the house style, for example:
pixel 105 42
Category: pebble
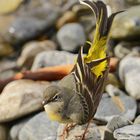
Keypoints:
pixel 5 49
pixel 26 58
pixel 115 123
pixel 126 25
pixel 39 127
pixel 71 36
pixel 130 132
pixel 68 17
pixel 137 120
pixel 108 107
pixel 15 129
pixel 129 73
pixel 113 80
pixel 125 48
pixel 20 98
pixel 53 58
pixel 38 17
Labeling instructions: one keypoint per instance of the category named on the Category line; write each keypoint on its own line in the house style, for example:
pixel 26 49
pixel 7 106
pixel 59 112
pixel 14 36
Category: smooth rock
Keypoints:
pixel 5 49
pixel 115 123
pixel 129 73
pixel 3 132
pixel 133 2
pixel 15 129
pixel 40 127
pixel 127 25
pixel 130 132
pixel 53 58
pixel 31 49
pixel 92 133
pixel 116 104
pixel 71 36
pixel 113 80
pixel 34 18
pixel 85 17
pixel 68 17
pixel 7 74
pixel 6 64
pixel 137 120
pixel 7 6
pixel 20 98
pixel 125 48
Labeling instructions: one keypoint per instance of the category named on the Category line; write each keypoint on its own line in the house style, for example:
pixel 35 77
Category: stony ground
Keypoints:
pixel 37 34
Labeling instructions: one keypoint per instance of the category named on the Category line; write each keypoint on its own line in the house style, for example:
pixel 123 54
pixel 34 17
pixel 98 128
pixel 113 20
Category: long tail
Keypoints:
pixel 98 49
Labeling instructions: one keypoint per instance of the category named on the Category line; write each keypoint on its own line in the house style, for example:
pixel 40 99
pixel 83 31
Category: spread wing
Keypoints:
pixel 88 85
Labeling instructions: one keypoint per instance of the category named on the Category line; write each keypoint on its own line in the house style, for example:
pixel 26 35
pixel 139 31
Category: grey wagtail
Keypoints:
pixel 75 98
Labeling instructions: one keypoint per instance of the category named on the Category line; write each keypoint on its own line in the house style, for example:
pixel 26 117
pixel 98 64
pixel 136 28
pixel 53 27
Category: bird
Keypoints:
pixel 75 98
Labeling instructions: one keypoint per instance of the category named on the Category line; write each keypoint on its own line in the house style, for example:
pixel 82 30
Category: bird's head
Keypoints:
pixel 54 101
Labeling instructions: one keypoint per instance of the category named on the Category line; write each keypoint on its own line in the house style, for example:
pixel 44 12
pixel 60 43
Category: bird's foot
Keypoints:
pixel 82 136
pixel 66 130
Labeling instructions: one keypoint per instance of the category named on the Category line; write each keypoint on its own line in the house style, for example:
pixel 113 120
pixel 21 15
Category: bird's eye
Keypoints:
pixel 56 98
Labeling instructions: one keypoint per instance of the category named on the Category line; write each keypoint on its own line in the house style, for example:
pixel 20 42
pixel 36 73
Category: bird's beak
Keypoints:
pixel 44 102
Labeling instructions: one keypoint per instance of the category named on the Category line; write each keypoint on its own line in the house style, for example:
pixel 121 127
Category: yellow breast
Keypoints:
pixel 56 116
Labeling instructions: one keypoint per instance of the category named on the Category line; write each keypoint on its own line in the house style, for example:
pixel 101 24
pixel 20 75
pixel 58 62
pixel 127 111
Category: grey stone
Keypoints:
pixel 33 18
pixel 125 48
pixel 92 133
pixel 7 64
pixel 130 132
pixel 31 49
pixel 20 98
pixel 71 36
pixel 116 104
pixel 15 129
pixel 39 128
pixel 114 123
pixel 127 24
pixel 53 58
pixel 129 73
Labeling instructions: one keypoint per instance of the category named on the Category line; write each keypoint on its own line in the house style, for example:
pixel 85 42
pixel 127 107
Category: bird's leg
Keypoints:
pixel 66 130
pixel 85 131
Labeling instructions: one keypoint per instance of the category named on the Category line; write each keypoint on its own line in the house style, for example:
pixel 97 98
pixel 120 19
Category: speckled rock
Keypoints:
pixel 71 36
pixel 39 128
pixel 20 98
pixel 116 104
pixel 129 73
pixel 126 25
pixel 31 49
pixel 130 132
pixel 92 133
pixel 53 58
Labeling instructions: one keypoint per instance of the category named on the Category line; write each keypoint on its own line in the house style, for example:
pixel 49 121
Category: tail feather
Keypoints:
pixel 98 49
